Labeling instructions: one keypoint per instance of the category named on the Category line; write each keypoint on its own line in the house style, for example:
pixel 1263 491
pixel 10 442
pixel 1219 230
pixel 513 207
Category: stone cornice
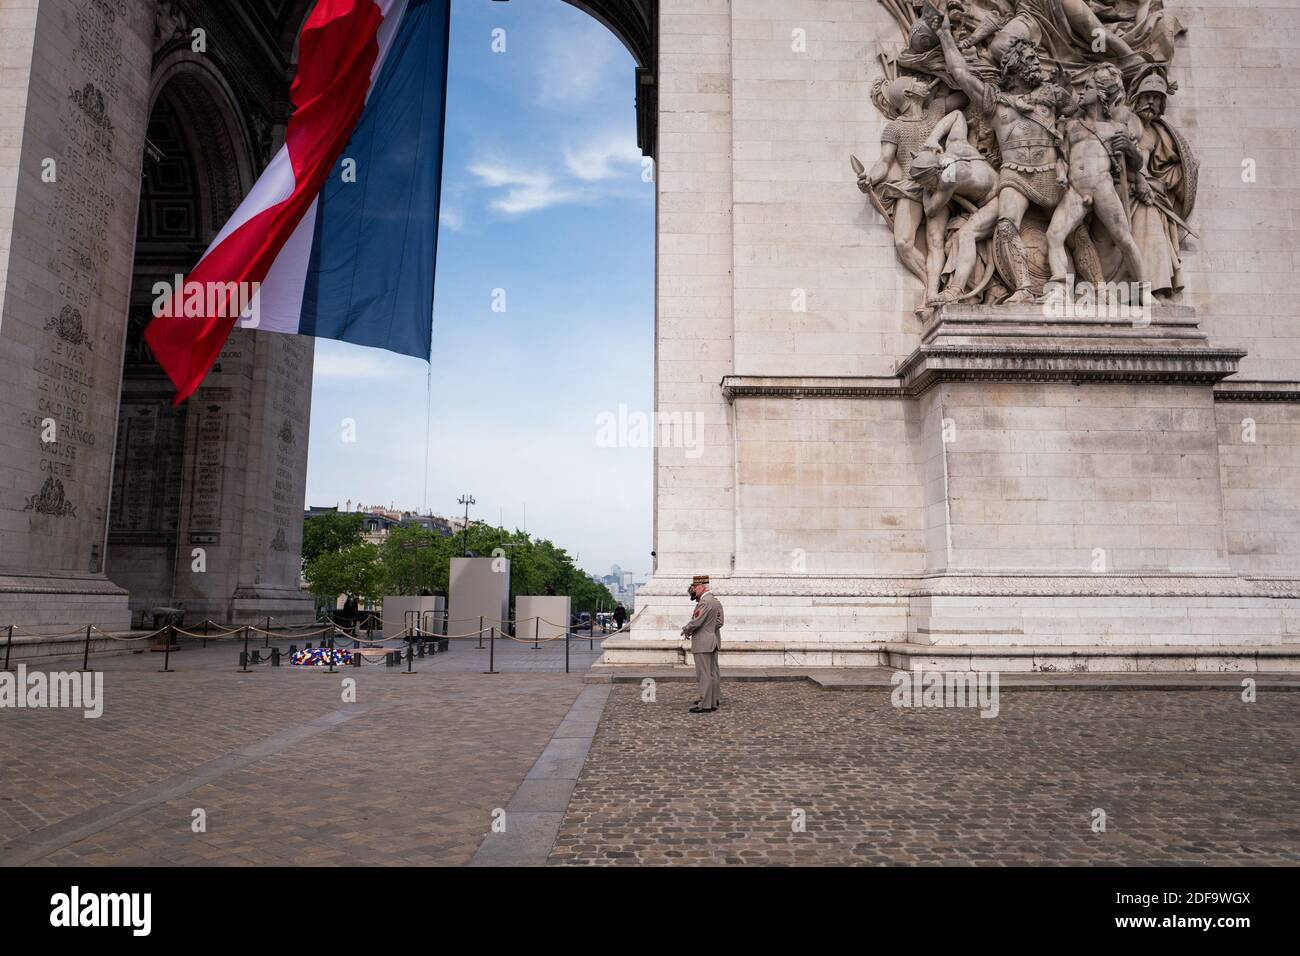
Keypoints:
pixel 1008 584
pixel 931 364
pixel 1256 391
pixel 1197 365
pixel 810 386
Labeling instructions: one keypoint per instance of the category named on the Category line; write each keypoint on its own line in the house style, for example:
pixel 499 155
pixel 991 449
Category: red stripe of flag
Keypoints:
pixel 337 51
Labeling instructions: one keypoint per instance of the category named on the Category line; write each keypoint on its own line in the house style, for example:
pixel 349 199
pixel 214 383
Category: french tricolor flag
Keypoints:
pixel 340 232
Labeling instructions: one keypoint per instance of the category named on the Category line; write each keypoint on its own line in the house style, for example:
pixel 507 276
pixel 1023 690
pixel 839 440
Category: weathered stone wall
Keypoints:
pixel 1259 459
pixel 1238 71
pixel 829 485
pixel 694 496
pixel 1082 478
pixel 69 185
pixel 818 290
pixel 851 520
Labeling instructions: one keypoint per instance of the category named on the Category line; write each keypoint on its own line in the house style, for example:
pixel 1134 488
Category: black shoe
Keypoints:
pixel 703 710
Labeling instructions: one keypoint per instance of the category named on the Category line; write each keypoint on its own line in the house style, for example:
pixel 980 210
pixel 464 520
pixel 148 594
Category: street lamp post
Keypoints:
pixel 466 500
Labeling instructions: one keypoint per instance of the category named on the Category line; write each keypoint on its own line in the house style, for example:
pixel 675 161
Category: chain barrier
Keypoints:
pixel 408 635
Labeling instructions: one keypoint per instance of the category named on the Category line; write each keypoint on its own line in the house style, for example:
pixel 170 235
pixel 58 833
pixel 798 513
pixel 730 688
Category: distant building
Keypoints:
pixel 378 522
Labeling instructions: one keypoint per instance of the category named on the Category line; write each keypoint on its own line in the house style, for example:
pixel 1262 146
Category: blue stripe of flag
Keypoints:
pixel 370 279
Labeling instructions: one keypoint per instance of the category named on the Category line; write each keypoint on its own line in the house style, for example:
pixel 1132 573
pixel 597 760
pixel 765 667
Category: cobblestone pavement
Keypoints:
pixel 286 771
pixel 1184 777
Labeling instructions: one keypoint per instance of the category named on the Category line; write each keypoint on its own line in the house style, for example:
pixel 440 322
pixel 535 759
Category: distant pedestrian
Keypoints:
pixel 620 616
pixel 705 632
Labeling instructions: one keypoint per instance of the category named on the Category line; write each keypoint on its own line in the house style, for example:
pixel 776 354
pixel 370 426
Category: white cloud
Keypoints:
pixel 597 158
pixel 576 64
pixel 451 219
pixel 526 190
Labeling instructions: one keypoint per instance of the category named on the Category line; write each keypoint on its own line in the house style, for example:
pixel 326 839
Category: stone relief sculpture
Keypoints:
pixel 1026 147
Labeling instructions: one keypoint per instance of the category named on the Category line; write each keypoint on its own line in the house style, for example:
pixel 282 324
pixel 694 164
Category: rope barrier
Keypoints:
pixel 408 634
pixel 118 637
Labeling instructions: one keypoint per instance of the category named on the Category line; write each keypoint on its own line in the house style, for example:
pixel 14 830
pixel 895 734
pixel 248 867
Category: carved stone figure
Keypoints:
pixel 1170 170
pixel 1022 112
pixel 1086 180
pixel 1100 146
pixel 916 113
pixel 952 171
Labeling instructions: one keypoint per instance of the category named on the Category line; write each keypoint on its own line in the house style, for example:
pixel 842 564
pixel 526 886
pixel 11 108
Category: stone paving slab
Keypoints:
pixel 848 678
pixel 410 777
pixel 1184 778
pixel 536 811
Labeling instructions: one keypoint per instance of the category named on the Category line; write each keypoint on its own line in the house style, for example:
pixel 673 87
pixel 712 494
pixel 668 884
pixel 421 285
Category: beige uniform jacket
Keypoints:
pixel 705 626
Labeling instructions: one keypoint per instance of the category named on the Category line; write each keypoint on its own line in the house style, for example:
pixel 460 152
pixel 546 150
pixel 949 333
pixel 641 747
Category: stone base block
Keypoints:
pixel 253 605
pixel 1109 623
pixel 51 605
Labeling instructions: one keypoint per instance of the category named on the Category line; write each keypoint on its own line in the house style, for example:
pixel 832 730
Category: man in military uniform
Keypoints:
pixel 705 632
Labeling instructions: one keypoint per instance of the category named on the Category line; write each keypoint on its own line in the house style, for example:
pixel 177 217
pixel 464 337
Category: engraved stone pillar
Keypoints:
pixel 245 472
pixel 74 80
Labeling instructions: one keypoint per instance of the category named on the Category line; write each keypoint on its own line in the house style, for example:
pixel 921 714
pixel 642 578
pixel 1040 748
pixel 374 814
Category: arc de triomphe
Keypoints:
pixel 901 464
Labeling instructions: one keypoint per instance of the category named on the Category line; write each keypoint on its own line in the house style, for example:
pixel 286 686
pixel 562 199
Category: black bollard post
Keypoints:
pixel 205 633
pixel 167 650
pixel 85 657
pixel 410 657
pixel 492 653
pixel 566 650
pixel 9 645
pixel 243 657
pixel 537 626
pixel 275 657
pixel 480 632
pixel 268 630
pixel 356 659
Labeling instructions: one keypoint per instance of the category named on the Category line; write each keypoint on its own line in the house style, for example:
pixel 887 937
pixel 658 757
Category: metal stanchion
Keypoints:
pixel 168 637
pixel 85 657
pixel 9 645
pixel 331 653
pixel 480 632
pixel 268 630
pixel 275 657
pixel 566 650
pixel 205 632
pixel 492 651
pixel 243 657
pixel 410 658
pixel 537 624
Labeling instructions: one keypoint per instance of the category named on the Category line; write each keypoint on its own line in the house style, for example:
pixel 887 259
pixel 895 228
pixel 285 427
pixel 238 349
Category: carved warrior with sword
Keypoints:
pixel 1023 116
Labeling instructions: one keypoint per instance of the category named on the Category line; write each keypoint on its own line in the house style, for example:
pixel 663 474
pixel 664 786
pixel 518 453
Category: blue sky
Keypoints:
pixel 544 198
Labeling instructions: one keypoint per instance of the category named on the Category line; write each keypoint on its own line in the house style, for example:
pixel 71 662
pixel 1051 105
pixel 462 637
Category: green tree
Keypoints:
pixel 356 570
pixel 330 531
pixel 416 560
